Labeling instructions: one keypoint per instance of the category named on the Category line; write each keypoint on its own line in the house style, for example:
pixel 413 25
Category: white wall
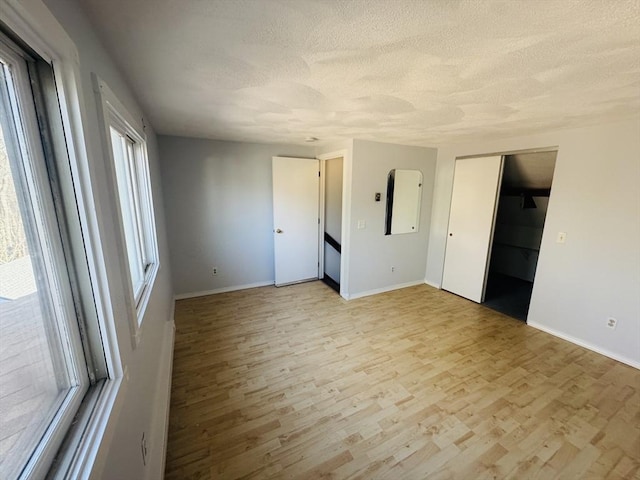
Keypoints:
pixel 146 396
pixel 595 199
pixel 371 252
pixel 218 198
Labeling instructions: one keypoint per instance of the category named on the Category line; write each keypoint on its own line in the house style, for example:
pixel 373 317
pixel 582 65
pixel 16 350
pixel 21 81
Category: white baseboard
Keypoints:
pixel 160 433
pixel 368 293
pixel 234 288
pixel 431 284
pixel 587 345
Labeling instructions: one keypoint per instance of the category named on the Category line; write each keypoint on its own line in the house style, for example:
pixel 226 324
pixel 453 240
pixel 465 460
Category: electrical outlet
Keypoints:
pixel 143 448
pixel 393 269
pixel 611 323
pixel 214 271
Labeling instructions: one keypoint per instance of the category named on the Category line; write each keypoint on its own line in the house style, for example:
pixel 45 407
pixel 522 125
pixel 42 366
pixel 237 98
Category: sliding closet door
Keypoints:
pixel 476 184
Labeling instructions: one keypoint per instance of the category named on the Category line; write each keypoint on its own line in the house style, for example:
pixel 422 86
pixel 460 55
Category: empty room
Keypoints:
pixel 347 239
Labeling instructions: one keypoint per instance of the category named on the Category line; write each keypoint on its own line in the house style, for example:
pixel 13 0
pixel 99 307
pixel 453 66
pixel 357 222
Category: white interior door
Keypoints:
pixel 296 189
pixel 476 184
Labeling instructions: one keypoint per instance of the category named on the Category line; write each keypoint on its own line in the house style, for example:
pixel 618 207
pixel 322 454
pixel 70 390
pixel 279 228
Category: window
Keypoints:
pixel 132 178
pixel 131 174
pixel 46 365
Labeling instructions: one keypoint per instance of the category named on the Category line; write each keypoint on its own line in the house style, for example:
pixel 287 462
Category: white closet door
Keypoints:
pixel 295 219
pixel 476 184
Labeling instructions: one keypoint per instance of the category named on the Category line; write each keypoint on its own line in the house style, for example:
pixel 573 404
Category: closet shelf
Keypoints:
pixel 516 246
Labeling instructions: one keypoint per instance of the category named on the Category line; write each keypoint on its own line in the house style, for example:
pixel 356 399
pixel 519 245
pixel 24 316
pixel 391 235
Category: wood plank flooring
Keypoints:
pixel 295 382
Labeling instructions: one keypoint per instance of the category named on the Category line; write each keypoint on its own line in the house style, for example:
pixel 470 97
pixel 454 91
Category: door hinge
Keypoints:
pixel 318 173
pixel 318 221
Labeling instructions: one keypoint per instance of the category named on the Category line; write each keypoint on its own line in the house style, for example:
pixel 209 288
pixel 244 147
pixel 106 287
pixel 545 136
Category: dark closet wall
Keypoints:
pixel 517 237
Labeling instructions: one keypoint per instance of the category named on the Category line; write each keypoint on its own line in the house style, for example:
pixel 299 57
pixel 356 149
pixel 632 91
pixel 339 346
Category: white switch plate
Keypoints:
pixel 361 224
pixel 562 236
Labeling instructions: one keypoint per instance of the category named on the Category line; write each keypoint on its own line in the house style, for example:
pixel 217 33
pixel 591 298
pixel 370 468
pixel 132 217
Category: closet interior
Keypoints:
pixel 519 222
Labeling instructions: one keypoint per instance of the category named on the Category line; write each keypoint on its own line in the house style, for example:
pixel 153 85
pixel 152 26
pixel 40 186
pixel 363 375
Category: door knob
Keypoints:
pixel 278 230
pixel 451 234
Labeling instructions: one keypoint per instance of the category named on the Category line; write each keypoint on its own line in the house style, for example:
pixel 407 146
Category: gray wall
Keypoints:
pixel 594 199
pixel 145 401
pixel 219 211
pixel 372 253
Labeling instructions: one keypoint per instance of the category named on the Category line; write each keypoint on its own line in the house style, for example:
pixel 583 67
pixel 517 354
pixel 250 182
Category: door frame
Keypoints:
pixel 347 167
pixel 321 214
pixel 511 152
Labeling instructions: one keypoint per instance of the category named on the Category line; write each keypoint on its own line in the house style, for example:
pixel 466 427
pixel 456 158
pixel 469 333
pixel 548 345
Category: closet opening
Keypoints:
pixel 519 222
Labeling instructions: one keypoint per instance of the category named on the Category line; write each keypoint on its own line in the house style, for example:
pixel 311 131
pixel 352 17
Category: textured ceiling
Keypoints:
pixel 413 72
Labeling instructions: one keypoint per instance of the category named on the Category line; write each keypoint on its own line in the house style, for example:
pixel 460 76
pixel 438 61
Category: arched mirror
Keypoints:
pixel 404 195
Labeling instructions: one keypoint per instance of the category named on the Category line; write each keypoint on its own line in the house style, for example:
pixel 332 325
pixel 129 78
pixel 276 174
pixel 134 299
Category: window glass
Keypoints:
pixel 42 372
pixel 135 207
pixel 122 153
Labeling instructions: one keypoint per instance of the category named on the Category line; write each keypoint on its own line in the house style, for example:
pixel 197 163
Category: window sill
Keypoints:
pixel 142 304
pixel 84 451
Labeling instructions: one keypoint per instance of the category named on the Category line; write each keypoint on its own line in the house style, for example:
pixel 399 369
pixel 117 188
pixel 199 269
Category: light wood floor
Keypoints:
pixel 295 382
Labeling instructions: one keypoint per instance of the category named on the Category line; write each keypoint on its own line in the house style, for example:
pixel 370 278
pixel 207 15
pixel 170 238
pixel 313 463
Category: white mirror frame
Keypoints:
pixel 404 196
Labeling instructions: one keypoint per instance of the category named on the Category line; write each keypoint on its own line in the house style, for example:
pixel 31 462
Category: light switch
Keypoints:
pixel 361 224
pixel 562 236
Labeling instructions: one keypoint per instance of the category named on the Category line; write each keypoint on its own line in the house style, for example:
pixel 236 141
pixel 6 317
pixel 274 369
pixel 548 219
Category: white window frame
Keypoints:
pixel 115 115
pixel 45 226
pixel 87 452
